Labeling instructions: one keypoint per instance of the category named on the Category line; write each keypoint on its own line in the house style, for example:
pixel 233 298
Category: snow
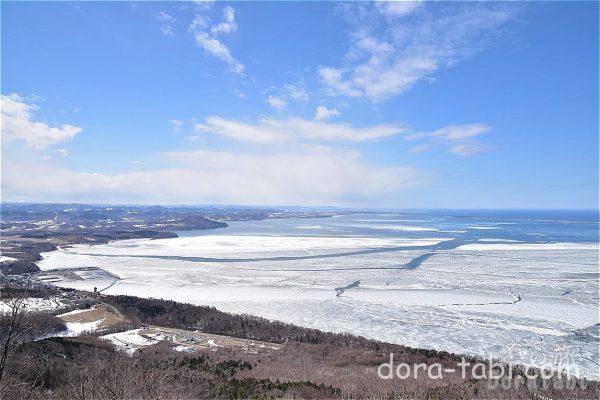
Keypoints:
pixel 78 328
pixel 529 246
pixel 405 228
pixel 233 246
pixel 33 304
pixel 129 341
pixel 499 240
pixel 75 328
pixel 6 258
pixel 479 298
pixel 74 312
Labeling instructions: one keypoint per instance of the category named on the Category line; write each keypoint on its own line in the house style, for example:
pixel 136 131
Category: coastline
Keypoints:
pixel 161 294
pixel 274 318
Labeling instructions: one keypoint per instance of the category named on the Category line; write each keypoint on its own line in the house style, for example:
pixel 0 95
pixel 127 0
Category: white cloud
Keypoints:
pixel 317 176
pixel 460 139
pixel 452 132
pixel 460 132
pixel 206 38
pixel 167 30
pixel 324 113
pixel 388 57
pixel 199 22
pixel 422 147
pixel 203 4
pixel 239 93
pixel 219 50
pixel 268 130
pixel 177 125
pixel 468 149
pixel 239 131
pixel 277 102
pixel 333 78
pixel 397 8
pixel 19 124
pixel 296 92
pixel 62 152
pixel 164 17
pixel 286 94
pixel 228 25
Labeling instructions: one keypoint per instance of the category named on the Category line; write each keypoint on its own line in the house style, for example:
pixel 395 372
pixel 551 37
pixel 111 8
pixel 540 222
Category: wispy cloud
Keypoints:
pixel 167 20
pixel 203 4
pixel 337 83
pixel 199 22
pixel 288 93
pixel 269 130
pixel 397 44
pixel 228 25
pixel 19 124
pixel 206 35
pixel 468 149
pixel 167 30
pixel 397 8
pixel 219 50
pixel 62 152
pixel 277 102
pixel 453 132
pixel 296 92
pixel 459 139
pixel 164 17
pixel 177 125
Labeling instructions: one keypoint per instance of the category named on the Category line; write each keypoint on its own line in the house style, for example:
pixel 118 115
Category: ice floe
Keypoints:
pixel 478 295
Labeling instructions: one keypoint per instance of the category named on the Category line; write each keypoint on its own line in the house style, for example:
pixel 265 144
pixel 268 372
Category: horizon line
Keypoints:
pixel 341 208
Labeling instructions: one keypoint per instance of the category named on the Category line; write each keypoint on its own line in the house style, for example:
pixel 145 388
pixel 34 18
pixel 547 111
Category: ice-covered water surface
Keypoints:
pixel 519 285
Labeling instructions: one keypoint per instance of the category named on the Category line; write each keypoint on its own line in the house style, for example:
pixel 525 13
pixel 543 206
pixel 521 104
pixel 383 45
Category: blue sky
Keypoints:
pixel 402 105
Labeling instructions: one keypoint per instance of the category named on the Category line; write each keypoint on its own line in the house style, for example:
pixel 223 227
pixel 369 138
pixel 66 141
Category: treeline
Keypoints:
pixel 210 320
pixel 310 364
pixel 25 253
pixel 33 326
pixel 86 368
pixel 14 291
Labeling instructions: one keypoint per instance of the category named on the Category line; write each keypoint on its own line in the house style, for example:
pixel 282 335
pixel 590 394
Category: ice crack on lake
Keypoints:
pixel 456 283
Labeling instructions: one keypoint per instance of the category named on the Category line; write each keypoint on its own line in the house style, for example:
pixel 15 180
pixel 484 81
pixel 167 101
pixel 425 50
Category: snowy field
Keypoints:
pixel 33 304
pixel 89 320
pixel 521 289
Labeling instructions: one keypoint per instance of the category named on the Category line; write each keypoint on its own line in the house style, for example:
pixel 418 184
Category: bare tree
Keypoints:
pixel 12 330
pixel 16 300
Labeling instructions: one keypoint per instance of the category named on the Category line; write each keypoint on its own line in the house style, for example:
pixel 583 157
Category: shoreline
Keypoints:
pixel 275 319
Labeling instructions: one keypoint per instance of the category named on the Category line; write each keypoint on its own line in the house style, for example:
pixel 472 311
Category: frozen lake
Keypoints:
pixel 522 286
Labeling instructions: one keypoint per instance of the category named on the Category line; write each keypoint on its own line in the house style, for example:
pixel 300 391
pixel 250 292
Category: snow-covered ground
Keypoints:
pixel 76 327
pixel 131 340
pixel 89 320
pixel 488 295
pixel 33 304
pixel 182 340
